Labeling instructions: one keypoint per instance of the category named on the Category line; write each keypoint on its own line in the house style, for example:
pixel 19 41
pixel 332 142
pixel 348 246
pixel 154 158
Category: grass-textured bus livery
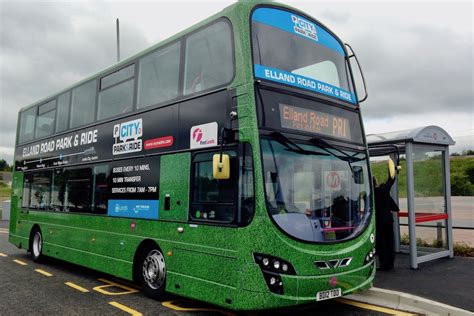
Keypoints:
pixel 227 164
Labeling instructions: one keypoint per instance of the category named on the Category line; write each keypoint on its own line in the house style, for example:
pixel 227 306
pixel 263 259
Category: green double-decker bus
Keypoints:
pixel 226 164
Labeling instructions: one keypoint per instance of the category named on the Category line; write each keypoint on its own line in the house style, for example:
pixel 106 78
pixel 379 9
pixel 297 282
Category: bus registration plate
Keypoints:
pixel 326 295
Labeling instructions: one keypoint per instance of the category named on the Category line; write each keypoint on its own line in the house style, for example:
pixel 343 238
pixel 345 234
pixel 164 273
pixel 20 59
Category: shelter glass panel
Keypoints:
pixel 428 173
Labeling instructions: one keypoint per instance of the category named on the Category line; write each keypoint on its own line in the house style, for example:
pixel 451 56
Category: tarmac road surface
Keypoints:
pixel 60 288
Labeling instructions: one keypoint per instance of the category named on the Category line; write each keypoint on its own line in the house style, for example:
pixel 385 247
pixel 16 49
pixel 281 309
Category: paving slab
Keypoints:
pixel 447 281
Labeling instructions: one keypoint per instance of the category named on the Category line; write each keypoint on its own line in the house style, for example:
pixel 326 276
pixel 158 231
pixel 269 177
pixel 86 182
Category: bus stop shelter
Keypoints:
pixel 422 189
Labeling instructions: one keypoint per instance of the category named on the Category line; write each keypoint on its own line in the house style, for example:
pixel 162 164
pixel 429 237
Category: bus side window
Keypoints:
pixel 62 113
pixel 45 121
pixel 83 104
pixel 101 179
pixel 40 192
pixel 78 192
pixel 26 190
pixel 57 190
pixel 213 200
pixel 158 79
pixel 116 93
pixel 209 58
pixel 27 125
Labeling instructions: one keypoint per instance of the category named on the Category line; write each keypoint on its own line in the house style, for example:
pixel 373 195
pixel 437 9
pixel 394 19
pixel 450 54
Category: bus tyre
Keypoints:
pixel 152 273
pixel 36 245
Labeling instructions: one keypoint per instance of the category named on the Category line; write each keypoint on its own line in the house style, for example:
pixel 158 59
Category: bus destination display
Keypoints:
pixel 301 119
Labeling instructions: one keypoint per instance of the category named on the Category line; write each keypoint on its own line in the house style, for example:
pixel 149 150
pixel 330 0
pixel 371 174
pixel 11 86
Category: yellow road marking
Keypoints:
pixel 77 287
pixel 374 307
pixel 43 272
pixel 3 255
pixel 21 262
pixel 171 305
pixel 126 309
pixel 101 288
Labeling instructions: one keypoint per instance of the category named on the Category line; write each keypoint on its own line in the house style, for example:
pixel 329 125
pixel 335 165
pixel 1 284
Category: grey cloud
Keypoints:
pixel 46 47
pixel 413 64
pixel 335 16
pixel 412 69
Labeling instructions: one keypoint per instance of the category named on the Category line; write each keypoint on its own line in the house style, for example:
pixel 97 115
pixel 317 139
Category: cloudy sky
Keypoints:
pixel 417 56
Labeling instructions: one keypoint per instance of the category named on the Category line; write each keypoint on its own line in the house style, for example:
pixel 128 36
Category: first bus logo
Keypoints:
pixel 128 137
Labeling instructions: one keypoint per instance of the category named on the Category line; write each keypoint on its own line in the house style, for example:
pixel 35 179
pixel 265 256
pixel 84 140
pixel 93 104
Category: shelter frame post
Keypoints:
pixel 411 206
pixel 447 201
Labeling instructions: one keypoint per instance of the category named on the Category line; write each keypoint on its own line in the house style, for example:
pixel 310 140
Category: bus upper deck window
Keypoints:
pixel 27 125
pixel 209 58
pixel 83 104
pixel 158 80
pixel 62 120
pixel 116 93
pixel 45 121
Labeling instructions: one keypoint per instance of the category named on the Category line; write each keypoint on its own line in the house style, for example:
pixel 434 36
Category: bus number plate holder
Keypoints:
pixel 329 294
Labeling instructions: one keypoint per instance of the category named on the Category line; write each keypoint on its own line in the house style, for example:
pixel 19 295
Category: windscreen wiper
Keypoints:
pixel 320 141
pixel 294 147
pixel 348 158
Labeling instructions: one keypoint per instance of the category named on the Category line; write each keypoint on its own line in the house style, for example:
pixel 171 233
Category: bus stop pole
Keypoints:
pixel 447 200
pixel 411 206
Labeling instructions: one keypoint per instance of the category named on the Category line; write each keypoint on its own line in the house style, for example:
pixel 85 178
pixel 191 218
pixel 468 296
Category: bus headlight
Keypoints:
pixel 274 282
pixel 274 264
pixel 272 268
pixel 370 256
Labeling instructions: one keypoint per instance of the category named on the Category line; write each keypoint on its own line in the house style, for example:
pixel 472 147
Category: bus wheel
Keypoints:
pixel 153 273
pixel 36 245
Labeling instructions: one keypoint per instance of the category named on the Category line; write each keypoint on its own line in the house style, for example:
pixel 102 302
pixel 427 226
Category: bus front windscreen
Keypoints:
pixel 316 192
pixel 292 50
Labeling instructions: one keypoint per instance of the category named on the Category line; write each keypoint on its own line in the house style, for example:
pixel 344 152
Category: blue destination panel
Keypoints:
pixel 303 82
pixel 295 24
pixel 147 209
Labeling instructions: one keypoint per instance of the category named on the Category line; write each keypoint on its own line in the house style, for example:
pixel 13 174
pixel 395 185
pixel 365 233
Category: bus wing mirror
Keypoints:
pixel 391 168
pixel 361 79
pixel 221 166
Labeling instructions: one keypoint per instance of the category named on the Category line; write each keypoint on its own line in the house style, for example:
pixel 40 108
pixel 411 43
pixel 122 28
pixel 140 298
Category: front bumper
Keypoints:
pixel 303 289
